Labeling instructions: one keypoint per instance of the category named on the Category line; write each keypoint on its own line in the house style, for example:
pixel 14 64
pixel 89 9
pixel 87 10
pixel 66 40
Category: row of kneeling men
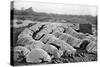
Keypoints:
pixel 50 42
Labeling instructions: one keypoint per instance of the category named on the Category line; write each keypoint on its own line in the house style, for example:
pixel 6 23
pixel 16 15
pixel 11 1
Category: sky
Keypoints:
pixel 57 8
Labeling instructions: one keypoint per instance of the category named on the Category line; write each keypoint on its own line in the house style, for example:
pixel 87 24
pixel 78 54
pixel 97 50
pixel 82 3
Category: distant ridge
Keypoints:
pixel 42 15
pixel 30 10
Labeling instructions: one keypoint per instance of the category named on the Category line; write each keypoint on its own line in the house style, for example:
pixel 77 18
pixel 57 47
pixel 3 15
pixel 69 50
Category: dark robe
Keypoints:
pixel 85 28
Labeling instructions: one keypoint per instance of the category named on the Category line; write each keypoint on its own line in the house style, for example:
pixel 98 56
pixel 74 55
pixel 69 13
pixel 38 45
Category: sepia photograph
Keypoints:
pixel 52 33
